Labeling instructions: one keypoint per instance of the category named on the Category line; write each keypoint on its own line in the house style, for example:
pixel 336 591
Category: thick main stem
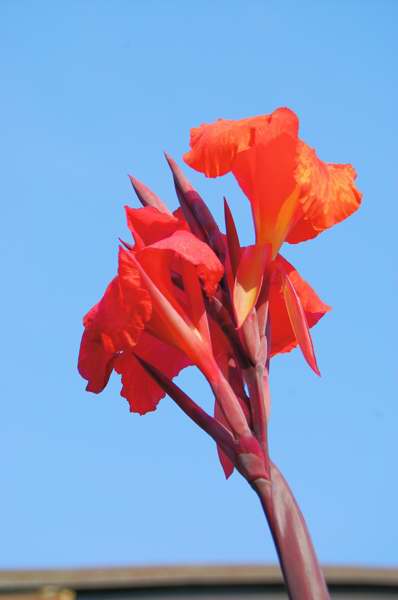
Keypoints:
pixel 301 570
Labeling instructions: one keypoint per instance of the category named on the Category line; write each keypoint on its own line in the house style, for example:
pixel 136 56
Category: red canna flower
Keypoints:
pixel 130 318
pixel 271 163
pixel 145 313
pixel 293 194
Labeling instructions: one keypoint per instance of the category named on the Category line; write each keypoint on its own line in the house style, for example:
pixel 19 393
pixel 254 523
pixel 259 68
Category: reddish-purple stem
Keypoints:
pixel 302 572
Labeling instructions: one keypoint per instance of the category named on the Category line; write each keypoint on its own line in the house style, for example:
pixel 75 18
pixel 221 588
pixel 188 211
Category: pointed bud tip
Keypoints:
pixel 170 160
pixel 134 181
pixel 137 184
pixel 227 210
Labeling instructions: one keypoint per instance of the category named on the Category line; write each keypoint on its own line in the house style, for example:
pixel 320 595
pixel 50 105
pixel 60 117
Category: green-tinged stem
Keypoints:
pixel 301 570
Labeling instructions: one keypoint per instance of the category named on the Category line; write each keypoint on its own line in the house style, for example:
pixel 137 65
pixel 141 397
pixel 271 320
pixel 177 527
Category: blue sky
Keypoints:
pixel 92 91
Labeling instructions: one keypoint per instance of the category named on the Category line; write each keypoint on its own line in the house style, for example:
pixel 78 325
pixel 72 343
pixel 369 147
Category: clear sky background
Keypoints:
pixel 94 90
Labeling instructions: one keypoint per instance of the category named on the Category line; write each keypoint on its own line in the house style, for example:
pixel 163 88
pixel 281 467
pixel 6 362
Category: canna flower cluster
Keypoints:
pixel 186 293
pixel 183 287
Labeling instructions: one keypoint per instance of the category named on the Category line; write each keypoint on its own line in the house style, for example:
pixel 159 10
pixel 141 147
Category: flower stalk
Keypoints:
pixel 301 570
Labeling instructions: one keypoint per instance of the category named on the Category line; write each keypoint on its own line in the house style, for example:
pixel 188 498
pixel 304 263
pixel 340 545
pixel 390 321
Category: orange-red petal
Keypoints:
pixel 328 194
pixel 122 312
pixel 95 361
pixel 151 224
pixel 214 146
pixel 113 325
pixel 266 174
pixel 183 245
pixel 139 388
pixel 283 338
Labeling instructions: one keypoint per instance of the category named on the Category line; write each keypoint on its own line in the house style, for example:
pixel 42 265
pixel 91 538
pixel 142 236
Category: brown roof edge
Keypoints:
pixel 156 576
